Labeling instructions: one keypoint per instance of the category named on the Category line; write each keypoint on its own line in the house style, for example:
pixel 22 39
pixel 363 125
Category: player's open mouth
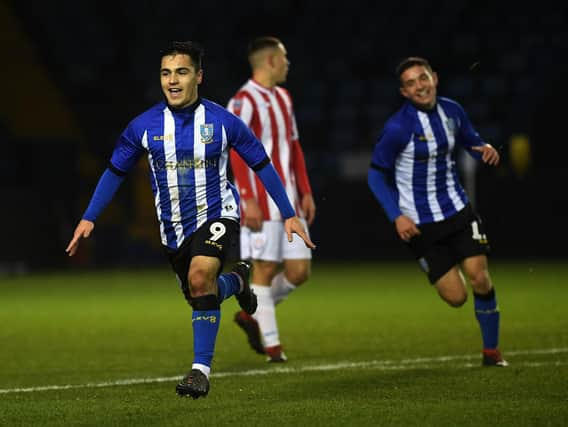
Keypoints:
pixel 175 92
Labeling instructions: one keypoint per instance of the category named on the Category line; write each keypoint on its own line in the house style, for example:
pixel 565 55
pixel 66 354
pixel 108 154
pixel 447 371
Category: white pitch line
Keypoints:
pixel 384 365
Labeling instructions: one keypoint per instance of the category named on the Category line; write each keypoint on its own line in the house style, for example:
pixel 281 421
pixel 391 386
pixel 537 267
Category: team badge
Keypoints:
pixel 206 132
pixel 451 125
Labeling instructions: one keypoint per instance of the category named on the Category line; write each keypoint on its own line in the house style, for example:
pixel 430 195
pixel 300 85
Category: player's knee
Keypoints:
pixel 480 281
pixel 297 276
pixel 456 299
pixel 205 303
pixel 198 282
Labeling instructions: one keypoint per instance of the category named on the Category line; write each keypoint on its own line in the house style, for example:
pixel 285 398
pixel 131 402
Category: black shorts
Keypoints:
pixel 217 238
pixel 442 245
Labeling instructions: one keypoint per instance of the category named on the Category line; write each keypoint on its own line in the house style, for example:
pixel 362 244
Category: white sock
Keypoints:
pixel 281 287
pixel 265 315
pixel 203 368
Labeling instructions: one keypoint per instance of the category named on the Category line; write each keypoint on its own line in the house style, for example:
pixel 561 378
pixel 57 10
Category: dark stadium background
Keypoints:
pixel 75 73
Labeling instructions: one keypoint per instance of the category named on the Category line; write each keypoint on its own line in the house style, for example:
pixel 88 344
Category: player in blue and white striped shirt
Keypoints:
pixel 413 175
pixel 187 140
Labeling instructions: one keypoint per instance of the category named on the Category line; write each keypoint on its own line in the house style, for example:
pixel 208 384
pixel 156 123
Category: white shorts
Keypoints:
pixel 271 243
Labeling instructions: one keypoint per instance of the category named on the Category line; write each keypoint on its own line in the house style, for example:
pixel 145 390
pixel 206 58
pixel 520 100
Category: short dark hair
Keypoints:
pixel 411 61
pixel 262 43
pixel 192 49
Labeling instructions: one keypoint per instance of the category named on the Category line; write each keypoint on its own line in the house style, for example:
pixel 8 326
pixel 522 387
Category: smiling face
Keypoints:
pixel 418 84
pixel 179 80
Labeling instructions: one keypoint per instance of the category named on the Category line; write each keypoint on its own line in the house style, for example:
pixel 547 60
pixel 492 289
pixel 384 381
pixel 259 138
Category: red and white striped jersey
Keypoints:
pixel 270 115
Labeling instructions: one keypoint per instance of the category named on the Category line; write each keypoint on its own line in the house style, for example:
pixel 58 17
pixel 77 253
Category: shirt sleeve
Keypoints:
pixel 274 187
pixel 128 149
pixel 388 146
pixel 384 192
pixel 467 135
pixel 241 106
pixel 107 186
pixel 380 177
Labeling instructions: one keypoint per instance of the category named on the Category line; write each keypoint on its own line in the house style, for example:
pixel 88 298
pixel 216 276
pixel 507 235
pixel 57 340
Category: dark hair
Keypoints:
pixel 192 49
pixel 411 61
pixel 262 43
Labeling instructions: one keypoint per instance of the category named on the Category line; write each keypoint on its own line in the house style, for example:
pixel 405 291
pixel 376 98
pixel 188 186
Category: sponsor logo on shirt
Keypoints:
pixel 167 137
pixel 185 164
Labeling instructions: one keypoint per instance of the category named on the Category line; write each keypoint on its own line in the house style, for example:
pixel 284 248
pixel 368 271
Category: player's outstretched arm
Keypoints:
pixel 83 230
pixel 294 225
pixel 106 188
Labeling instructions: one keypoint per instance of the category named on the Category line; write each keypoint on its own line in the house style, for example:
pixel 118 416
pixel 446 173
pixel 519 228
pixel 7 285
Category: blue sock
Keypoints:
pixel 228 284
pixel 487 314
pixel 205 327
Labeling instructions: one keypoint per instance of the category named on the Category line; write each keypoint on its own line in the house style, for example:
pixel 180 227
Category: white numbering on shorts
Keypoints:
pixel 217 229
pixel 476 235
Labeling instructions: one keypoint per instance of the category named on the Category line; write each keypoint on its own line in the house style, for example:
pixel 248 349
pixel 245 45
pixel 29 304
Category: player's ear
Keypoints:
pixel 435 78
pixel 200 76
pixel 404 92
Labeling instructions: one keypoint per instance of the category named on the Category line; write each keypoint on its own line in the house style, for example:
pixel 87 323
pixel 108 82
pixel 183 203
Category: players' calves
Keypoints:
pixel 297 271
pixel 451 288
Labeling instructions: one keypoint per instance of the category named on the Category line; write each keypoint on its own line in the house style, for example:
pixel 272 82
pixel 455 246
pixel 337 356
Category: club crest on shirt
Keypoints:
pixel 451 123
pixel 206 132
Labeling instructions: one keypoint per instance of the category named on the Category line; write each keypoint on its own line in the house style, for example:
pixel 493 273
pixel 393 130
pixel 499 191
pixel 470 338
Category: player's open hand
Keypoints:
pixel 294 225
pixel 489 154
pixel 406 228
pixel 83 230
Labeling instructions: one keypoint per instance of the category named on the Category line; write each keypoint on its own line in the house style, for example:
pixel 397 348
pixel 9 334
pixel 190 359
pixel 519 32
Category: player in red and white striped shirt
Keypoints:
pixel 267 109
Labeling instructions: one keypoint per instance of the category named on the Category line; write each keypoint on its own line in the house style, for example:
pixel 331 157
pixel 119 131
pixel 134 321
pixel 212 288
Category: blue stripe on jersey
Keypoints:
pixel 420 175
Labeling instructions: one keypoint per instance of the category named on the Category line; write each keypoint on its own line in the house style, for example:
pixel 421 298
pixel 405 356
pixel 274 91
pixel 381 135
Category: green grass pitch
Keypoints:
pixel 368 345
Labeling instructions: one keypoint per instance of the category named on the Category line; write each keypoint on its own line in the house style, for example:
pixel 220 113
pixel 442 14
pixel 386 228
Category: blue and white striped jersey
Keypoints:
pixel 416 151
pixel 188 152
